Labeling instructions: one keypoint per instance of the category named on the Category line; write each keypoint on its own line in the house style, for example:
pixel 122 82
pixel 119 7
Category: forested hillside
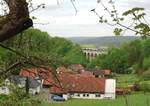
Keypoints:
pixel 34 48
pixel 103 41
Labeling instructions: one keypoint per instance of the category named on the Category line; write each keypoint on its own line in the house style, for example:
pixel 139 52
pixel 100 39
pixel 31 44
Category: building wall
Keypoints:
pixel 110 88
pixel 86 96
pixel 4 90
pixel 65 96
pixel 35 90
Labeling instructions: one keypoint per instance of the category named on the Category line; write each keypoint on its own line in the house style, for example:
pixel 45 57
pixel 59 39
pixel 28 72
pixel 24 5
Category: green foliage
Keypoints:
pixel 136 15
pixel 41 49
pixel 116 60
pixel 117 31
pixel 131 57
pixel 146 63
pixel 134 51
pixel 146 75
pixel 144 86
pixel 18 97
pixel 144 29
pixel 75 56
pixel 96 63
pixel 139 52
pixel 133 10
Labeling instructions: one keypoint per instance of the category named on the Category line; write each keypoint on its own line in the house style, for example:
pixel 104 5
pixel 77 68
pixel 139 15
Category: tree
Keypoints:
pixel 96 63
pixel 146 63
pixel 134 50
pixel 116 60
pixel 37 48
pixel 16 21
pixel 139 24
pixel 75 56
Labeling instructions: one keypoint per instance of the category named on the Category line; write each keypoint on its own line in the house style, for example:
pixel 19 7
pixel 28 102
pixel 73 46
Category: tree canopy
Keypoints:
pixel 39 48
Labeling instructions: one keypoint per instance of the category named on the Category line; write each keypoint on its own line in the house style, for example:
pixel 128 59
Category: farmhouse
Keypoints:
pixel 102 73
pixel 34 84
pixel 4 90
pixel 45 75
pixel 83 87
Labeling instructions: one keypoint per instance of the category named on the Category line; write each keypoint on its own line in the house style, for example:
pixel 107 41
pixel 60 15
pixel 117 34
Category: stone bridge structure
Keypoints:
pixel 91 53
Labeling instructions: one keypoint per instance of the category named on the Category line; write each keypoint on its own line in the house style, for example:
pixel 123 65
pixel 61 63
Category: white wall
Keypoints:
pixel 110 88
pixel 65 96
pixel 87 96
pixel 35 90
pixel 4 90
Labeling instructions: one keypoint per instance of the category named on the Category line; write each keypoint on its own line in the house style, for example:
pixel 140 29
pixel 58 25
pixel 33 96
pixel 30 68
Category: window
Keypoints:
pixel 97 95
pixel 77 94
pixel 86 95
pixel 83 95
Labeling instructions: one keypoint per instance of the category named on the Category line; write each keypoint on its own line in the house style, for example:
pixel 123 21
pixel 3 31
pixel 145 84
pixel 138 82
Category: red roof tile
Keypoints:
pixel 82 84
pixel 87 74
pixel 44 74
pixel 102 72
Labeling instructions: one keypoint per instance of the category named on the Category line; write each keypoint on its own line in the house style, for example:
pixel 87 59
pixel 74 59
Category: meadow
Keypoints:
pixel 137 99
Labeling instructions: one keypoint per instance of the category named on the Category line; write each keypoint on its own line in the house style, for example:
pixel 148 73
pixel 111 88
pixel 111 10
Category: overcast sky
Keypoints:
pixel 62 21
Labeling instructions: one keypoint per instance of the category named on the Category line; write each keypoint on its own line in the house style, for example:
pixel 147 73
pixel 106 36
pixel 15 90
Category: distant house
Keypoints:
pixel 61 69
pixel 102 73
pixel 87 73
pixel 77 68
pixel 34 84
pixel 4 90
pixel 74 86
pixel 46 75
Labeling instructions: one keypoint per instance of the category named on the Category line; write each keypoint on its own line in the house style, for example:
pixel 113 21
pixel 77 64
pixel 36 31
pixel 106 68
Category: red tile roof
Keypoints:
pixel 32 73
pixel 106 72
pixel 102 72
pixel 81 84
pixel 67 82
pixel 43 73
pixel 87 73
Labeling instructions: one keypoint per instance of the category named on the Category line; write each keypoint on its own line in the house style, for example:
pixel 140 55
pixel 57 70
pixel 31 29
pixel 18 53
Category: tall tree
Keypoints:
pixel 116 60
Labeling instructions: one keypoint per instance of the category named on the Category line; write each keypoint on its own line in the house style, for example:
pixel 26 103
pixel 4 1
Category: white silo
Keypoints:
pixel 110 88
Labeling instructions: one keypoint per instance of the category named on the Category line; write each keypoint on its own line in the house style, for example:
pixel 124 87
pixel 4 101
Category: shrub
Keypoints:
pixel 146 75
pixel 144 86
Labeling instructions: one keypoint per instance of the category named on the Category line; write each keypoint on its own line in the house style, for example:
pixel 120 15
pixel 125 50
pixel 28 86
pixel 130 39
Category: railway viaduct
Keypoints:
pixel 91 53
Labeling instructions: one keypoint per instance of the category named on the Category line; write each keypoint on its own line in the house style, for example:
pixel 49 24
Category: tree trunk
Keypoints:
pixel 16 21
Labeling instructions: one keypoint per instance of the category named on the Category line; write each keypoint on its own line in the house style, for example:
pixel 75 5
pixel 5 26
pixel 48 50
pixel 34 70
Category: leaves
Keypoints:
pixel 133 10
pixel 117 31
pixel 143 28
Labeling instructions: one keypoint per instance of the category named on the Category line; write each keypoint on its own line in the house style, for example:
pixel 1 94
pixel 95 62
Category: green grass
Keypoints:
pixel 126 80
pixel 133 100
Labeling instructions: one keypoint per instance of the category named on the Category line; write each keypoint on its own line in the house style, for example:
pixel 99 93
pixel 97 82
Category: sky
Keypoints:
pixel 60 19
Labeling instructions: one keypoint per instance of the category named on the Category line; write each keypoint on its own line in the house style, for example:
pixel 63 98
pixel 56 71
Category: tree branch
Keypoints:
pixel 16 21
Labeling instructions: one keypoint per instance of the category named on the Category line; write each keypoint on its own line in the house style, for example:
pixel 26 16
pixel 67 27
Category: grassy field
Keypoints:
pixel 126 80
pixel 133 100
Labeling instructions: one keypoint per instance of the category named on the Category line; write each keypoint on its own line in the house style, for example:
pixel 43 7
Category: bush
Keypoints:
pixel 146 75
pixel 18 98
pixel 144 86
pixel 146 63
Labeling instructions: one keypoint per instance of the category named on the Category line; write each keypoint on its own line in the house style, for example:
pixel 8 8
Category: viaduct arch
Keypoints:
pixel 91 53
